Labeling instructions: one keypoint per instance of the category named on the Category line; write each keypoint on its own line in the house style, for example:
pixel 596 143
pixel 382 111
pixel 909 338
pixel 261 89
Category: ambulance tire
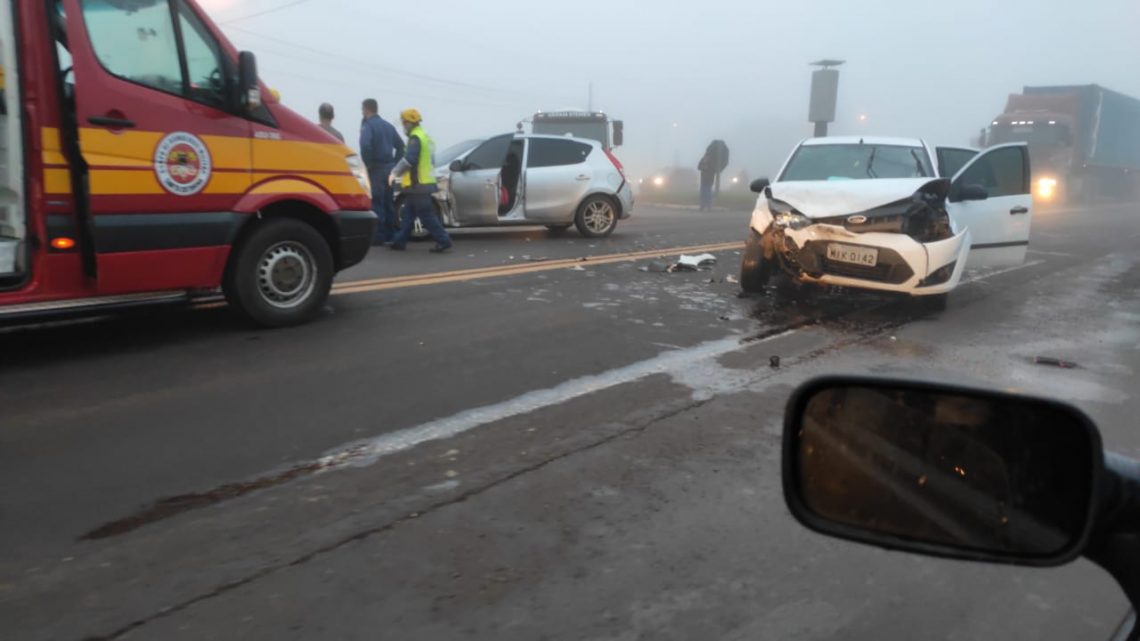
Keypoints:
pixel 280 274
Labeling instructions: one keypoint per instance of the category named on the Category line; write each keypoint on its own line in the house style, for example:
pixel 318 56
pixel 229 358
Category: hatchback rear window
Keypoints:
pixel 553 153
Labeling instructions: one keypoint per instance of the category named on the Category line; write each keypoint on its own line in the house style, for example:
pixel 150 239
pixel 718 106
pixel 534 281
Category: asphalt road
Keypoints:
pixel 495 444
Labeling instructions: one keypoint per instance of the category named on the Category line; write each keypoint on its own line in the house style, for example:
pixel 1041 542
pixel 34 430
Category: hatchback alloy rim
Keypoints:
pixel 599 216
pixel 286 274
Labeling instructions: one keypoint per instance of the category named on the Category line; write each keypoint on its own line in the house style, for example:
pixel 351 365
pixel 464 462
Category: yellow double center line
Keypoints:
pixel 418 280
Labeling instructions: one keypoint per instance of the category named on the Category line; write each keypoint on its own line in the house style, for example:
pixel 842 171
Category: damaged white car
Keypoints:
pixel 883 214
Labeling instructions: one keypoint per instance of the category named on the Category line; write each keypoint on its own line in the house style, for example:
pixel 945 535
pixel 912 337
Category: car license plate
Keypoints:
pixel 864 256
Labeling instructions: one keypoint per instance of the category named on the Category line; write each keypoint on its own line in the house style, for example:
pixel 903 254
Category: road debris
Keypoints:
pixel 774 362
pixel 731 279
pixel 1054 362
pixel 687 263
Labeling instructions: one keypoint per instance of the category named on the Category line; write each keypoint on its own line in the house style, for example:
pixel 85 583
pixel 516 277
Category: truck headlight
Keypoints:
pixel 1046 188
pixel 785 216
pixel 359 171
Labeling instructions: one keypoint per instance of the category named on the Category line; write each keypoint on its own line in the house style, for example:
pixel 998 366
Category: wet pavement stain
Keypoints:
pixel 787 307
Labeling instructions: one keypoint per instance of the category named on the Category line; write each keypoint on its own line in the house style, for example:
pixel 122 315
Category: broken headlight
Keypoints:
pixel 785 216
pixel 928 223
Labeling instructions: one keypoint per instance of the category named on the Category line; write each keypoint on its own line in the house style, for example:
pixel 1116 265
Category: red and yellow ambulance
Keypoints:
pixel 142 161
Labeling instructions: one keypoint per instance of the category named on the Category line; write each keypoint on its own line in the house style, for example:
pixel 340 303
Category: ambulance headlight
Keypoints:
pixel 359 171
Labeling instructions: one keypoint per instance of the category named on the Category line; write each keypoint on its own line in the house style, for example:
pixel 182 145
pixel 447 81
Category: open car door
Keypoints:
pixel 991 197
pixel 475 186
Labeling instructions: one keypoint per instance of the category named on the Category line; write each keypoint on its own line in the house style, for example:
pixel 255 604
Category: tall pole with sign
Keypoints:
pixel 824 94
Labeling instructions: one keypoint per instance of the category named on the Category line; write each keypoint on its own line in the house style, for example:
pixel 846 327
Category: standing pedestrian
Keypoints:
pixel 712 164
pixel 326 115
pixel 381 148
pixel 708 176
pixel 416 174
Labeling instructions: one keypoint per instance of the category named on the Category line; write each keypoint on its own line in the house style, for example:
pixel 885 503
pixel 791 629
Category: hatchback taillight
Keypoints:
pixel 616 162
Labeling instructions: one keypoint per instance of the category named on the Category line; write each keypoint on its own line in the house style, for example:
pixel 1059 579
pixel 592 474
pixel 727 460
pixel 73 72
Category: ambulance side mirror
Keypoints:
pixel 249 88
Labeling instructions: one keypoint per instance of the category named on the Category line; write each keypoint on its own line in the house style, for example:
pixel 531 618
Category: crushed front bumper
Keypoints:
pixel 903 264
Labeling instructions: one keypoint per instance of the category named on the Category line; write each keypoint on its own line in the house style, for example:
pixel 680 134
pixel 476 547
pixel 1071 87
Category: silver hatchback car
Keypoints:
pixel 524 179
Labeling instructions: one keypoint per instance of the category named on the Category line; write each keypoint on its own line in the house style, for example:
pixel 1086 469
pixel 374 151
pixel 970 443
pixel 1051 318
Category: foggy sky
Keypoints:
pixel 736 70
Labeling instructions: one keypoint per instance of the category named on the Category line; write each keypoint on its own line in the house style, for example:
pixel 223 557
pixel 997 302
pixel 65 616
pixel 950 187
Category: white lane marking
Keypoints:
pixel 690 367
pixel 999 272
pixel 672 363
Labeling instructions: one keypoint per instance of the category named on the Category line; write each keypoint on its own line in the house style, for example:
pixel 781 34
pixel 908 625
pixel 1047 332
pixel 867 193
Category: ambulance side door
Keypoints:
pixel 167 150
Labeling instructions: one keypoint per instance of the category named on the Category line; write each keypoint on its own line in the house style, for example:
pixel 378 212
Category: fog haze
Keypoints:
pixel 682 73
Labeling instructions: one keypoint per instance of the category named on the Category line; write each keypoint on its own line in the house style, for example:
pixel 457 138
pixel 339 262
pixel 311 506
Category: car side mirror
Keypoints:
pixel 456 165
pixel 972 192
pixel 619 133
pixel 943 471
pixel 759 185
pixel 249 87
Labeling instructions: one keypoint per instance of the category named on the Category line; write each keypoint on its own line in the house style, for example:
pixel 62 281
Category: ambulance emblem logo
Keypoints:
pixel 182 164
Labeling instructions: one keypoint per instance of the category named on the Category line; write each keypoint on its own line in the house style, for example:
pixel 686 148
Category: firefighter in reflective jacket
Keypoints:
pixel 417 179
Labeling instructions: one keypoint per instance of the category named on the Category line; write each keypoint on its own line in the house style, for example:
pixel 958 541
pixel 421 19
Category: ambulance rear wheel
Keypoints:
pixel 280 274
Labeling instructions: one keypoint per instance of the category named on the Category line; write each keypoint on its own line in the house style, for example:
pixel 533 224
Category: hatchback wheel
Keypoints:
pixel 597 217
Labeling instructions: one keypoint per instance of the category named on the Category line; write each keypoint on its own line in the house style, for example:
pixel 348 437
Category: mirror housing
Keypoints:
pixel 971 192
pixel 943 471
pixel 249 86
pixel 759 185
pixel 619 133
pixel 456 165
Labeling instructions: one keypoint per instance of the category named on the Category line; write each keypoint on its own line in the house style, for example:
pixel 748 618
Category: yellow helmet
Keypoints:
pixel 411 115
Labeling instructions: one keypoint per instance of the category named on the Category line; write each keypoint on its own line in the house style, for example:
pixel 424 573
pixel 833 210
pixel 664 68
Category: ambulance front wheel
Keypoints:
pixel 280 274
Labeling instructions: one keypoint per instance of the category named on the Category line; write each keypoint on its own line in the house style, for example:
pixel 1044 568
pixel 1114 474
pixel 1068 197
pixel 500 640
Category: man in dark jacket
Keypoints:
pixel 381 148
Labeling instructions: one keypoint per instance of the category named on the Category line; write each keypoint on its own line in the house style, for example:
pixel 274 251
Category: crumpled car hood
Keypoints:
pixel 827 198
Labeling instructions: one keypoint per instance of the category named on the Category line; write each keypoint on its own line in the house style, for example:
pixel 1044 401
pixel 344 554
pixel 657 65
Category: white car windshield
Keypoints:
pixel 857 162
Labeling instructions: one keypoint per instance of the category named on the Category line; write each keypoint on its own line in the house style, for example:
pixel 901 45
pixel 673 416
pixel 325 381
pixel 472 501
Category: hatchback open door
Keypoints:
pixel 476 180
pixel 990 196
